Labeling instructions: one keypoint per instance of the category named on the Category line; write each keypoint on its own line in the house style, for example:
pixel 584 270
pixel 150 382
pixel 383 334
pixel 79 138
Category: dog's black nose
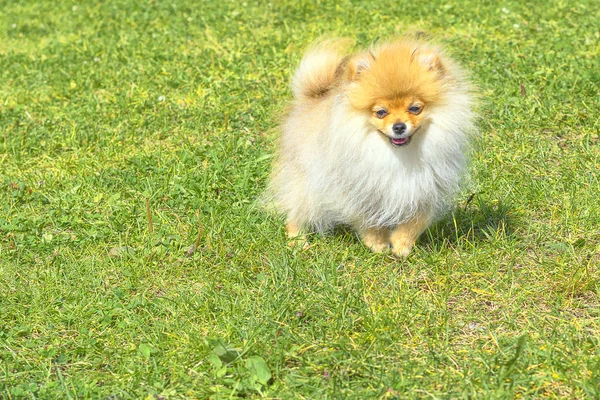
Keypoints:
pixel 399 128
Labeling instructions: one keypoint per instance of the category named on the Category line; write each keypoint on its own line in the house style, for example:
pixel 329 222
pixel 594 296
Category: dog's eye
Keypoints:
pixel 415 109
pixel 381 113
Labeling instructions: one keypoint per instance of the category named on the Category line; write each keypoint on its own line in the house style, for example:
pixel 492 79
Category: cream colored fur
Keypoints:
pixel 334 167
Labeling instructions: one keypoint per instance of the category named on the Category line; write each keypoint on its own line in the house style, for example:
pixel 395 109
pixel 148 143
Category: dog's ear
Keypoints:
pixel 428 59
pixel 360 64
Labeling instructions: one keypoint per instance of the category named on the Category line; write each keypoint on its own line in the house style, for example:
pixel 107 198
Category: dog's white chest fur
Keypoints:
pixel 355 176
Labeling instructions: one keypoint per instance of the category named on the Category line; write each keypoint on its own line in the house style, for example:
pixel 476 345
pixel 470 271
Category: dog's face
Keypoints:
pixel 398 119
pixel 397 87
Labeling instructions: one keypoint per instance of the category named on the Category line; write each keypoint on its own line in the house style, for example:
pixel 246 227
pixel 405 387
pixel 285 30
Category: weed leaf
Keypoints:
pixel 146 350
pixel 258 368
pixel 226 354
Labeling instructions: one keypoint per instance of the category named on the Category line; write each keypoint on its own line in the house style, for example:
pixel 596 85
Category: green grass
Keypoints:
pixel 135 138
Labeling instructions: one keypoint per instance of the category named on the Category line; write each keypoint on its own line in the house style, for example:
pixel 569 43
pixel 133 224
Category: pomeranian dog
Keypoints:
pixel 376 141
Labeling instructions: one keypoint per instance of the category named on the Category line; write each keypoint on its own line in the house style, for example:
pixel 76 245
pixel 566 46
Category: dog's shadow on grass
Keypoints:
pixel 477 220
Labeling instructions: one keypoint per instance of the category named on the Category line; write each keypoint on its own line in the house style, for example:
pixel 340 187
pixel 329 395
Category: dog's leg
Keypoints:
pixel 292 229
pixel 295 234
pixel 377 239
pixel 404 236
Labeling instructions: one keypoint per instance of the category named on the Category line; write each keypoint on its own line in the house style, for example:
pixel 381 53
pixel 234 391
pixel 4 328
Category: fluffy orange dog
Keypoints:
pixel 376 141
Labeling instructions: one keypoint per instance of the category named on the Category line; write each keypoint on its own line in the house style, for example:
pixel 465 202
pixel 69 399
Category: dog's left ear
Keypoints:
pixel 428 59
pixel 360 64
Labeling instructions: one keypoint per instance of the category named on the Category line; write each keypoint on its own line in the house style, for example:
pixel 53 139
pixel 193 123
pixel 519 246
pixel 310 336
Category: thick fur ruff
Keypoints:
pixel 334 167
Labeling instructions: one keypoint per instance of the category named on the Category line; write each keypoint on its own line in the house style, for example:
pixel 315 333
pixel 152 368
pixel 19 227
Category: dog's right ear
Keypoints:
pixel 428 59
pixel 359 64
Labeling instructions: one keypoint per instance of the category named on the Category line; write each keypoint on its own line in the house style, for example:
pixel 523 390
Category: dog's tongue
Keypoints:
pixel 400 141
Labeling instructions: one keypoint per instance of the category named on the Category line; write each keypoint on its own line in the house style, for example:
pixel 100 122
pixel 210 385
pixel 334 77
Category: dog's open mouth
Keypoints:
pixel 400 141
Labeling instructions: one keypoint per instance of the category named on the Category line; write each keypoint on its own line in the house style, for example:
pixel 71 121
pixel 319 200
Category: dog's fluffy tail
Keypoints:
pixel 320 69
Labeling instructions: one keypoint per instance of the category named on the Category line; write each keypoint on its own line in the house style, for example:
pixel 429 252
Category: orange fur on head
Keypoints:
pixel 394 71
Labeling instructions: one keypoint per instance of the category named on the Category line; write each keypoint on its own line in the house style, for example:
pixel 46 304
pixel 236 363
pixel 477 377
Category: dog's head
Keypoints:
pixel 396 85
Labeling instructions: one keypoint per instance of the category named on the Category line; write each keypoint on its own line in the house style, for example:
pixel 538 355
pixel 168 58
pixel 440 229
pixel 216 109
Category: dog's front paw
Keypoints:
pixel 376 239
pixel 377 247
pixel 405 235
pixel 402 245
pixel 296 238
pixel 402 249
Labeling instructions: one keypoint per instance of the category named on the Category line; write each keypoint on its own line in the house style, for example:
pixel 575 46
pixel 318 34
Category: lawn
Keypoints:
pixel 135 262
